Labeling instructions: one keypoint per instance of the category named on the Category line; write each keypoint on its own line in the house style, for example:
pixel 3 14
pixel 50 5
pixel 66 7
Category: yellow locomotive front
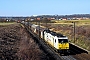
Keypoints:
pixel 57 40
pixel 63 45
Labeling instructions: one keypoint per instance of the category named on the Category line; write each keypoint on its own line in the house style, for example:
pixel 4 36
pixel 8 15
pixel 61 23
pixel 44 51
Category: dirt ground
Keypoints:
pixel 16 44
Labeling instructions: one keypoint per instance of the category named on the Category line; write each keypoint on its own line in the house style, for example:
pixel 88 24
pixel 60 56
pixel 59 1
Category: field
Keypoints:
pixel 78 34
pixel 16 44
pixel 7 23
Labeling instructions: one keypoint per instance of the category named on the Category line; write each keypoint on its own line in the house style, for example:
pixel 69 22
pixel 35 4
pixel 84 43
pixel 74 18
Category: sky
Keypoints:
pixel 43 7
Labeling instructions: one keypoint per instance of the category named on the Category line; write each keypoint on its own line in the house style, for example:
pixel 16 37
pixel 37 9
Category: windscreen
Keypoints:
pixel 62 40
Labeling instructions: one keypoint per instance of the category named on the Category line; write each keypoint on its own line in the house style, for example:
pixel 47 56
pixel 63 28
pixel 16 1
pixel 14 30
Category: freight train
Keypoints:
pixel 57 41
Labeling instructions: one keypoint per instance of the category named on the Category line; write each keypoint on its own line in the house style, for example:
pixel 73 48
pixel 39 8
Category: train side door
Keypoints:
pixel 55 43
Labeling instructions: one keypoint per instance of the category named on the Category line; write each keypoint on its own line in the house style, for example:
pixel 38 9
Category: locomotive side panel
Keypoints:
pixel 51 39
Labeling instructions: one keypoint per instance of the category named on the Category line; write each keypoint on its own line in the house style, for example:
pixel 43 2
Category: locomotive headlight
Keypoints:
pixel 67 47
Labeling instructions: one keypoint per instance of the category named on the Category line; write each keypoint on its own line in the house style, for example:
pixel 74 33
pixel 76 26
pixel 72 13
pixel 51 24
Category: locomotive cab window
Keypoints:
pixel 55 40
pixel 62 40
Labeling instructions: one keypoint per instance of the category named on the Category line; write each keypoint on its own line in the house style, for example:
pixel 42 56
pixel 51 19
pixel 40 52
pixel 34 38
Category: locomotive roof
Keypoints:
pixel 56 34
pixel 53 33
pixel 60 35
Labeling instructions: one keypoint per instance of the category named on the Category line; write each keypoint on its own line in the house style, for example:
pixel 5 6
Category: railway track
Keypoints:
pixel 68 58
pixel 44 46
pixel 50 52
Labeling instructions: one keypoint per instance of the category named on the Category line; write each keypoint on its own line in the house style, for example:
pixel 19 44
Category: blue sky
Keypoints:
pixel 41 7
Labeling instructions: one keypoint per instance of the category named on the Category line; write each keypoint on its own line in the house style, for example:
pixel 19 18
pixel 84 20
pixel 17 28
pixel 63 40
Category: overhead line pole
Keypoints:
pixel 74 33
